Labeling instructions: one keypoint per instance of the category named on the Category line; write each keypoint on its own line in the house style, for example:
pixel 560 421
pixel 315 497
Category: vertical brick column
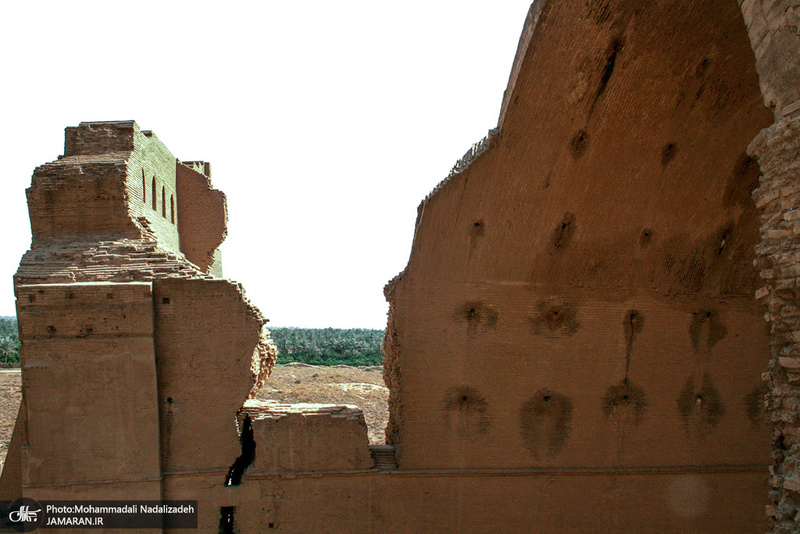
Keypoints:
pixel 778 260
pixel 775 38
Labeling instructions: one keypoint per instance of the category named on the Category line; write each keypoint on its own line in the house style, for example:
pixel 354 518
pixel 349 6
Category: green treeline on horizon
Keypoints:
pixel 329 346
pixel 9 340
pixel 315 346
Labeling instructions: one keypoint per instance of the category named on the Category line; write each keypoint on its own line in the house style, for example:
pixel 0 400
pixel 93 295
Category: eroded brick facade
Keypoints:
pixel 775 39
pixel 576 344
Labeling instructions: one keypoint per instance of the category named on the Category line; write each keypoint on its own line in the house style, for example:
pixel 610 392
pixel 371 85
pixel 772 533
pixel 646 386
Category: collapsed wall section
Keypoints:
pixel 80 197
pixel 113 181
pixel 204 216
pixel 206 335
pixel 307 437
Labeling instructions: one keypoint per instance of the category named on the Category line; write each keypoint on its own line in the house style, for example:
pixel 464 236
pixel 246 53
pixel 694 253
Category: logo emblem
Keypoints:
pixel 24 515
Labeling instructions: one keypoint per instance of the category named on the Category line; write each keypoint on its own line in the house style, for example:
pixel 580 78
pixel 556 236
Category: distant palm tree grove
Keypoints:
pixel 9 340
pixel 329 346
pixel 316 346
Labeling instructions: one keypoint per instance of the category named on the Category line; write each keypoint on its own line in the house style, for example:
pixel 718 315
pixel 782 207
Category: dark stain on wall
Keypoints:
pixel 706 329
pixel 556 316
pixel 579 143
pixel 754 404
pixel 612 55
pixel 564 231
pixel 544 421
pixel 668 153
pixel 702 67
pixel 466 411
pixel 645 237
pixel 701 408
pixel 477 313
pixel 633 323
pixel 688 270
pixel 599 10
pixel 625 399
pixel 742 181
pixel 477 228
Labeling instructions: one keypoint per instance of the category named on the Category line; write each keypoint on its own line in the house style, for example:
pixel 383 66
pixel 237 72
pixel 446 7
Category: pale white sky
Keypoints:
pixel 326 123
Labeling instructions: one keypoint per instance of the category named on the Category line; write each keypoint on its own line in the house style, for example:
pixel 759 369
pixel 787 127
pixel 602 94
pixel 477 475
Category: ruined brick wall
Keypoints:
pixel 773 30
pixel 778 196
pixel 116 180
pixel 142 190
pixel 203 212
pixel 89 360
pixel 93 187
pixel 135 363
pixel 307 437
pixel 152 180
pixel 576 324
pixel 582 287
pixel 205 336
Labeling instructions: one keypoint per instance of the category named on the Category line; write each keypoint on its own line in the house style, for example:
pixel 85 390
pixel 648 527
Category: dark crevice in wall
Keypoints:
pixel 563 233
pixel 611 61
pixel 226 520
pixel 579 143
pixel 723 238
pixel 246 458
pixel 645 237
pixel 633 324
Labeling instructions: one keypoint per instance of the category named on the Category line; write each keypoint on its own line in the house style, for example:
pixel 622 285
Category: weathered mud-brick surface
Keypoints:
pixel 773 29
pixel 307 437
pixel 206 337
pixel 86 345
pixel 778 196
pixel 576 324
pixel 130 350
pixel 581 287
